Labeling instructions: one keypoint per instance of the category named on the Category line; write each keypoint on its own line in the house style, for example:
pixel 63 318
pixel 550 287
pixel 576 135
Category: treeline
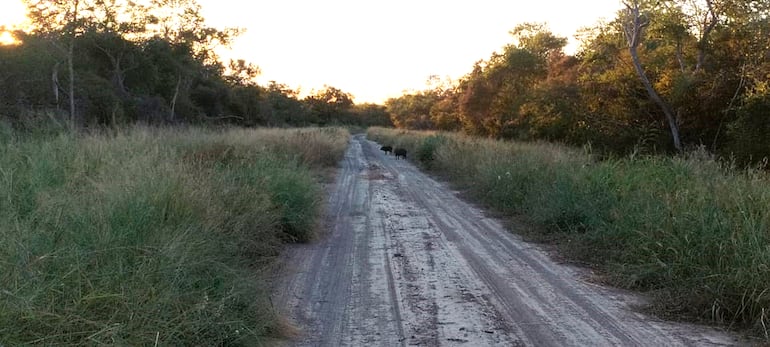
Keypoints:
pixel 90 63
pixel 707 63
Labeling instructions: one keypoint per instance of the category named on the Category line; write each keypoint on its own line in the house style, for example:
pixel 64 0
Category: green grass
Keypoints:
pixel 152 236
pixel 693 233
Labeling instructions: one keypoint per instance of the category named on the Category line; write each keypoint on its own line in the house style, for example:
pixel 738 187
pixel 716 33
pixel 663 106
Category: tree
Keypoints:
pixel 703 65
pixel 538 40
pixel 553 107
pixel 52 17
pixel 26 77
pixel 181 21
pixel 329 103
pixel 369 114
pixel 475 97
pixel 633 27
pixel 242 72
pixel 444 113
pixel 492 95
pixel 748 132
pixel 280 105
pixel 412 111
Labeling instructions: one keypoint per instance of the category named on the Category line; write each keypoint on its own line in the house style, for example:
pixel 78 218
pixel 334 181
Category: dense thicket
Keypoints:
pixel 151 63
pixel 707 60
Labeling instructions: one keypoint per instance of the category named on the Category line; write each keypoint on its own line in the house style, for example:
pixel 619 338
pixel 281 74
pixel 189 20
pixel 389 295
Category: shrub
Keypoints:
pixel 427 149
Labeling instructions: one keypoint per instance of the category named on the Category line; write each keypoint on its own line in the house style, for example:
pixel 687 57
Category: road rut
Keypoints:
pixel 404 261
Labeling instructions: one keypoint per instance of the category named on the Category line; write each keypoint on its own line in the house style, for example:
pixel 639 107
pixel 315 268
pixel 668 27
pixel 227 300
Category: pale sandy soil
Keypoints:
pixel 404 261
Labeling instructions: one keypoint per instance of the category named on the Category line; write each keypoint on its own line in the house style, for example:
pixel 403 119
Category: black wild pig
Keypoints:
pixel 400 152
pixel 386 149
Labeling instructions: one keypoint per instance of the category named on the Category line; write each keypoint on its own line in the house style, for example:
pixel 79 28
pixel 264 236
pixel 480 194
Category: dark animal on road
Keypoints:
pixel 400 152
pixel 387 149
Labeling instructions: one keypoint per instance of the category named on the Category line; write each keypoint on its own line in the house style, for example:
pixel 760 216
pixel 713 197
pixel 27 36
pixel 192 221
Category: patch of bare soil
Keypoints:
pixel 404 261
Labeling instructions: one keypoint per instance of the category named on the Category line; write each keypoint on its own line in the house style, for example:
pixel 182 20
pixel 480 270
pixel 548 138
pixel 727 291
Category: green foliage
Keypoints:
pixel 149 236
pixel 427 149
pixel 23 80
pixel 750 129
pixel 127 70
pixel 687 229
pixel 535 38
pixel 704 61
pixel 329 103
pixel 369 115
pixel 412 111
pixel 297 197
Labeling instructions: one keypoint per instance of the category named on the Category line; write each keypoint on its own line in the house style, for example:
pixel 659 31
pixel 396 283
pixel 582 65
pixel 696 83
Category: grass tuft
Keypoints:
pixel 152 236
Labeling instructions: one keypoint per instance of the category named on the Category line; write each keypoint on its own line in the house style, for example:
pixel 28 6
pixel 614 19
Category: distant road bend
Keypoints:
pixel 405 262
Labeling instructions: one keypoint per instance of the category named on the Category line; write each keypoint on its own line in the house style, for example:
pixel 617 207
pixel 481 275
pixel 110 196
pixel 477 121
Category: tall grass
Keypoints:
pixel 688 229
pixel 152 237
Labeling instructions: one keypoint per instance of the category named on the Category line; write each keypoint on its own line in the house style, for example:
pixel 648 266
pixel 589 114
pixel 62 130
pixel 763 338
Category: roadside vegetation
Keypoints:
pixel 133 211
pixel 150 236
pixel 689 230
pixel 141 236
pixel 93 63
pixel 660 77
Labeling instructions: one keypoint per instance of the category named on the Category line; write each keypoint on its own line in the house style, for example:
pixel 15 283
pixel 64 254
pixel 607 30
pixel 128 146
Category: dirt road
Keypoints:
pixel 406 262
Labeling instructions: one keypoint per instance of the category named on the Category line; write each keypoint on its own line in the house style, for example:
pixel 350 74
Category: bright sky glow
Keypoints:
pixel 6 38
pixel 12 14
pixel 376 49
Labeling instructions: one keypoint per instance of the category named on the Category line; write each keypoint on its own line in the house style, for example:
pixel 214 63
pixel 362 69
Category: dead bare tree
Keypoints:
pixel 172 116
pixel 709 20
pixel 55 84
pixel 633 27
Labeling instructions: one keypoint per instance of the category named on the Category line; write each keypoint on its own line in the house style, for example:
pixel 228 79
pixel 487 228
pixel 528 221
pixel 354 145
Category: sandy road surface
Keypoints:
pixel 405 262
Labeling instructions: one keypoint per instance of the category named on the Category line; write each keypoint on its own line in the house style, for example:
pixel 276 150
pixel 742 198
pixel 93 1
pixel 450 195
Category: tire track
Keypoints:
pixel 406 262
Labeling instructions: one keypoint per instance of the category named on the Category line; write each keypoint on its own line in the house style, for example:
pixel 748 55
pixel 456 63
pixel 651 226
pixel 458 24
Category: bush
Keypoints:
pixel 427 149
pixel 749 130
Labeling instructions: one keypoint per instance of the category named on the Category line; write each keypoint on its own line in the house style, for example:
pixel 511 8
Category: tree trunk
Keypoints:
pixel 118 73
pixel 709 22
pixel 118 76
pixel 55 84
pixel 71 69
pixel 173 100
pixel 74 121
pixel 680 56
pixel 633 29
pixel 657 99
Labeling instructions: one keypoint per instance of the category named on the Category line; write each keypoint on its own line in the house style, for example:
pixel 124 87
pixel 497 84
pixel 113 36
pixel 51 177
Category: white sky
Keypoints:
pixel 376 49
